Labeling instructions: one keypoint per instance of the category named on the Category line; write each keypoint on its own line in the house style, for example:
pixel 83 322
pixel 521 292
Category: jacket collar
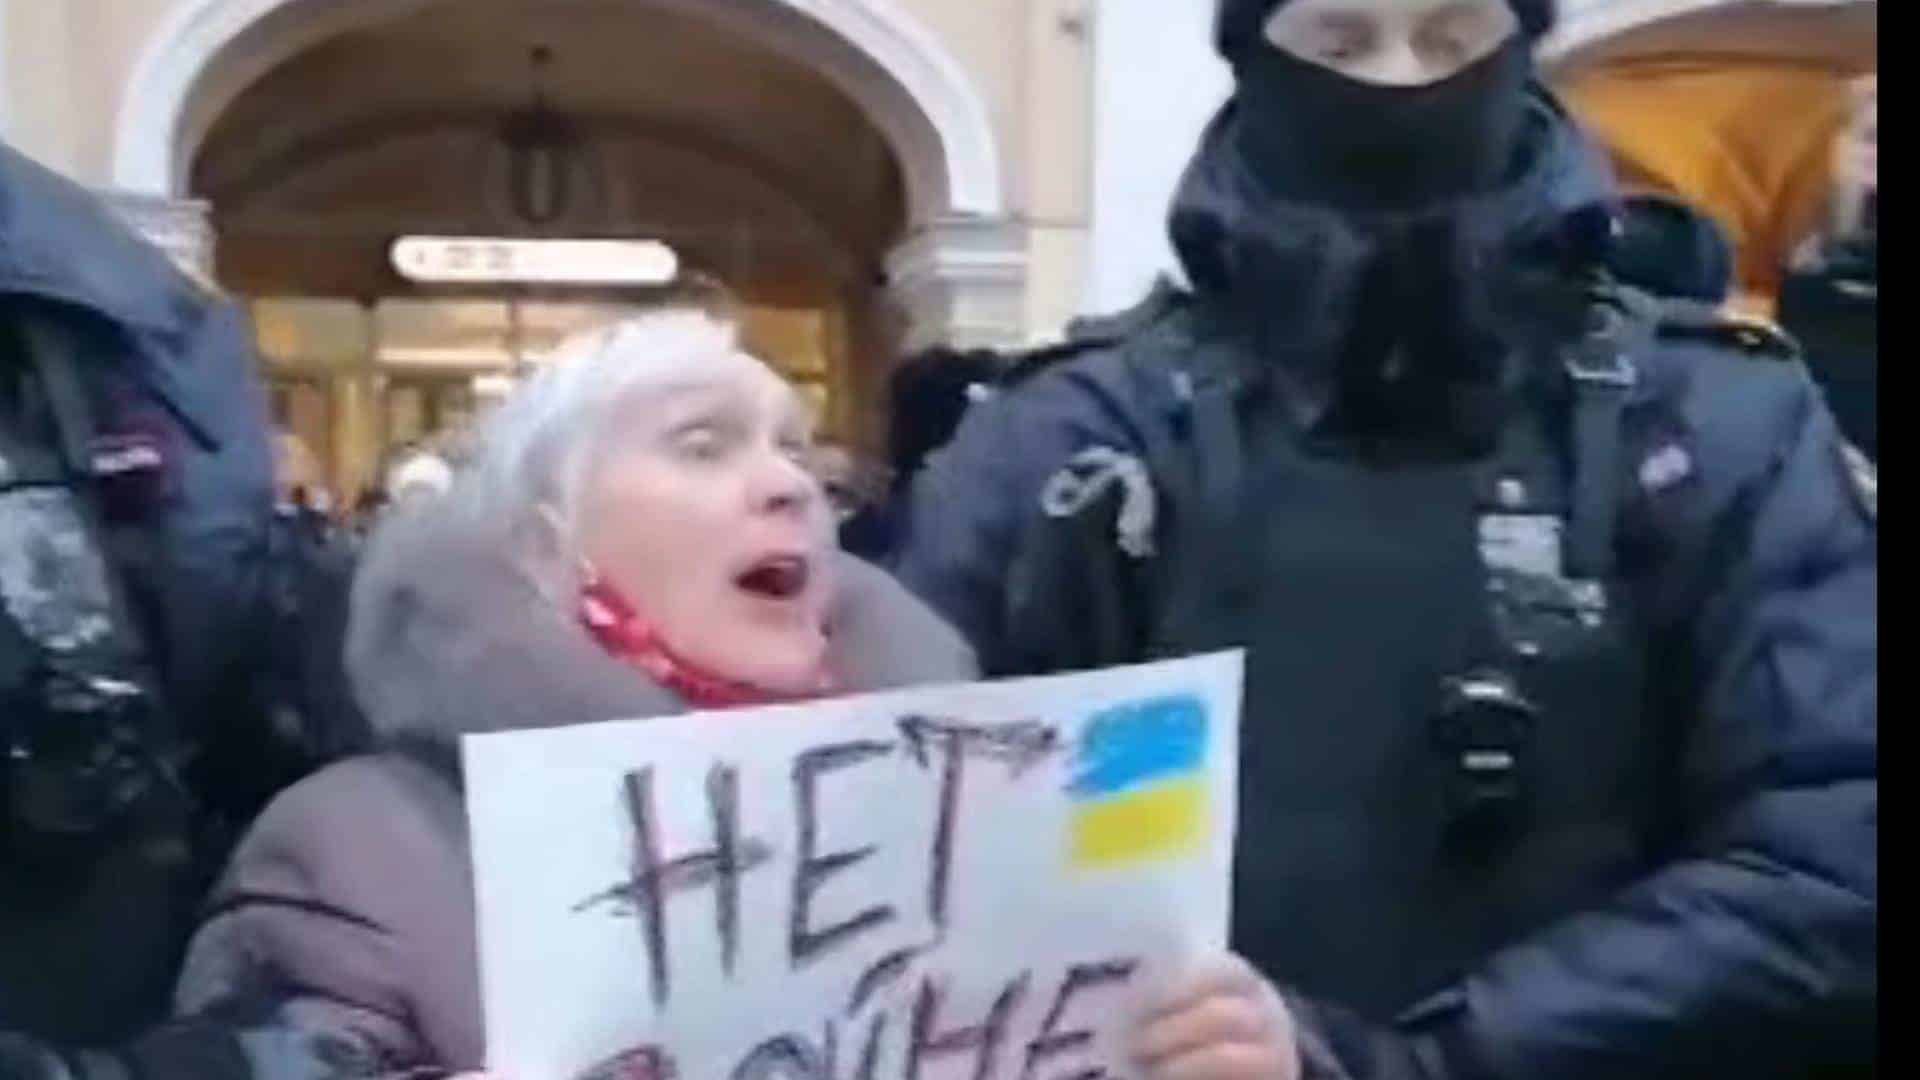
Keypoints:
pixel 450 635
pixel 1227 228
pixel 58 242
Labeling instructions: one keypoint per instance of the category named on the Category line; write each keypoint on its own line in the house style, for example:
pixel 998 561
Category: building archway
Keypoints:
pixel 1732 105
pixel 957 276
pixel 211 50
pixel 823 158
pixel 1588 25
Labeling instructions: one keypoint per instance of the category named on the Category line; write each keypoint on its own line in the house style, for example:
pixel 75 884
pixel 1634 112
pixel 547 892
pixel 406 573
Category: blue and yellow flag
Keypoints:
pixel 1139 787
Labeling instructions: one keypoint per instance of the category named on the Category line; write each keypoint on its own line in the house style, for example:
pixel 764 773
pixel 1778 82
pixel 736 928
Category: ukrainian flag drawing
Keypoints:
pixel 1139 788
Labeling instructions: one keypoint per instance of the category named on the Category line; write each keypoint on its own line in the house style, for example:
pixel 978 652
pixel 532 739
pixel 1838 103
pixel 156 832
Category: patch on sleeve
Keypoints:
pixel 1863 477
pixel 1667 467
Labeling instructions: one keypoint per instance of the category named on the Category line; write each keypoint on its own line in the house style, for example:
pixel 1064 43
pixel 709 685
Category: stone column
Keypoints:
pixel 356 432
pixel 359 415
pixel 960 282
pixel 183 228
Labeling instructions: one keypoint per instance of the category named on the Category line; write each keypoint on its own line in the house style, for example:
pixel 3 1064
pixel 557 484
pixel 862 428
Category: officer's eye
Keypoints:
pixel 1329 38
pixel 1446 48
pixel 1344 39
pixel 1466 31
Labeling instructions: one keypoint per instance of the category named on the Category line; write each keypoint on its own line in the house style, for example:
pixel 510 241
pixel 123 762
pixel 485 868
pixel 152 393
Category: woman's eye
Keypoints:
pixel 702 443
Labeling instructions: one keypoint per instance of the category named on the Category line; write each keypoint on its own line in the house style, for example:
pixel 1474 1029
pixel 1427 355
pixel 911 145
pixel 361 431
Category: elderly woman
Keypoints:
pixel 637 537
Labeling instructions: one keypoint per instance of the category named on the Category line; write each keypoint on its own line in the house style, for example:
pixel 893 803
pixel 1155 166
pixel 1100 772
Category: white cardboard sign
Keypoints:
pixel 977 881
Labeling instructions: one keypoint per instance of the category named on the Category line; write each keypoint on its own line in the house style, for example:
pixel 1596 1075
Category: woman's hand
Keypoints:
pixel 1220 1021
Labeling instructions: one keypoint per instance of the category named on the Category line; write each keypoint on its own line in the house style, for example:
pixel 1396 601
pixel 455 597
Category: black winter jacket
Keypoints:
pixel 1750 948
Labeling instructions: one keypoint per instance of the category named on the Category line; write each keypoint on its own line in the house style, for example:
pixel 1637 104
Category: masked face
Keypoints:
pixel 1384 104
pixel 1392 42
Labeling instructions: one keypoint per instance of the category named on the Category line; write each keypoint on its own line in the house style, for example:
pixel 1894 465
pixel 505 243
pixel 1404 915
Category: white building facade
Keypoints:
pixel 871 176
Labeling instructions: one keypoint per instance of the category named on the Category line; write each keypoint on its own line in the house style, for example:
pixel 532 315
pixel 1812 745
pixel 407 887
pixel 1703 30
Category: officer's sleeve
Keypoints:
pixel 1755 949
pixel 973 498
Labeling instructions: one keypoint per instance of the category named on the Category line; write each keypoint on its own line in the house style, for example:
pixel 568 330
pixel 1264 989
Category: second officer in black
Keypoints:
pixel 1560 748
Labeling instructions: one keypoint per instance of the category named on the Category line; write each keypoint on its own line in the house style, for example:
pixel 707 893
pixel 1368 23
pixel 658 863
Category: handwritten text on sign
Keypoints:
pixel 974 881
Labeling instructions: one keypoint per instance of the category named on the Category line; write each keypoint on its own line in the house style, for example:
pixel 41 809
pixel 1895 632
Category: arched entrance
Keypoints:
pixel 823 158
pixel 1732 105
pixel 935 120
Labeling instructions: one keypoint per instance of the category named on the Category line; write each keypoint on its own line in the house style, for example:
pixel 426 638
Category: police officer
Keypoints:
pixel 1560 740
pixel 1830 299
pixel 926 397
pixel 162 667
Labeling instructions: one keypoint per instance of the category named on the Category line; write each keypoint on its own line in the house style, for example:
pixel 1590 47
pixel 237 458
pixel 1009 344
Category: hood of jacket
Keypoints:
pixel 1293 271
pixel 59 242
pixel 449 636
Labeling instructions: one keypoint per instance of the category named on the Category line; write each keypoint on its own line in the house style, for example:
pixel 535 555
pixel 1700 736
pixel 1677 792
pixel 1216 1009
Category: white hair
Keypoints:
pixel 532 454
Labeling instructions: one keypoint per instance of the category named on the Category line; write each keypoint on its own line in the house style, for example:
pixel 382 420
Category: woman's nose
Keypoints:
pixel 782 485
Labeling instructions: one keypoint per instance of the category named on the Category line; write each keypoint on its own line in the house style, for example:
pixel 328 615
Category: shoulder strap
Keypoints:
pixel 1085 334
pixel 1192 440
pixel 1600 366
pixel 1682 321
pixel 1624 323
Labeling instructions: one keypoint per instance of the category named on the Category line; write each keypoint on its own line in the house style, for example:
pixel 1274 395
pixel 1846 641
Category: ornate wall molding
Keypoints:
pixel 961 282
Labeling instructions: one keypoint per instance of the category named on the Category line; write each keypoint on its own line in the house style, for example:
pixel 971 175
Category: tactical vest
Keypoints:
pixel 1451 735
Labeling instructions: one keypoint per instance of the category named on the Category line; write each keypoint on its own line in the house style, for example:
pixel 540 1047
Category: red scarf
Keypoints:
pixel 619 628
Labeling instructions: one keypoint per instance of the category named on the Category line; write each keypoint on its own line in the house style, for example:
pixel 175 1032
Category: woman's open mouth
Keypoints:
pixel 780 577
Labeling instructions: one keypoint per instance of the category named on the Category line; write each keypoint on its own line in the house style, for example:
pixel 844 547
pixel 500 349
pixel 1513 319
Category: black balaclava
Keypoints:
pixel 1402 169
pixel 1314 136
pixel 1241 23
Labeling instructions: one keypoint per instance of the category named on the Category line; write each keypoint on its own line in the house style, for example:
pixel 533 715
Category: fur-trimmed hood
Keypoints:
pixel 449 637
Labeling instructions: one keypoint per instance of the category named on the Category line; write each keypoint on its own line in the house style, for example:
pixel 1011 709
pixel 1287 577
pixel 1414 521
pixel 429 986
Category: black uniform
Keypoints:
pixel 1560 743
pixel 163 664
pixel 1832 306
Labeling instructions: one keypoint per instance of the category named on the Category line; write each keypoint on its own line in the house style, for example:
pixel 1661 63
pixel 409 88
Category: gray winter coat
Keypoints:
pixel 340 941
